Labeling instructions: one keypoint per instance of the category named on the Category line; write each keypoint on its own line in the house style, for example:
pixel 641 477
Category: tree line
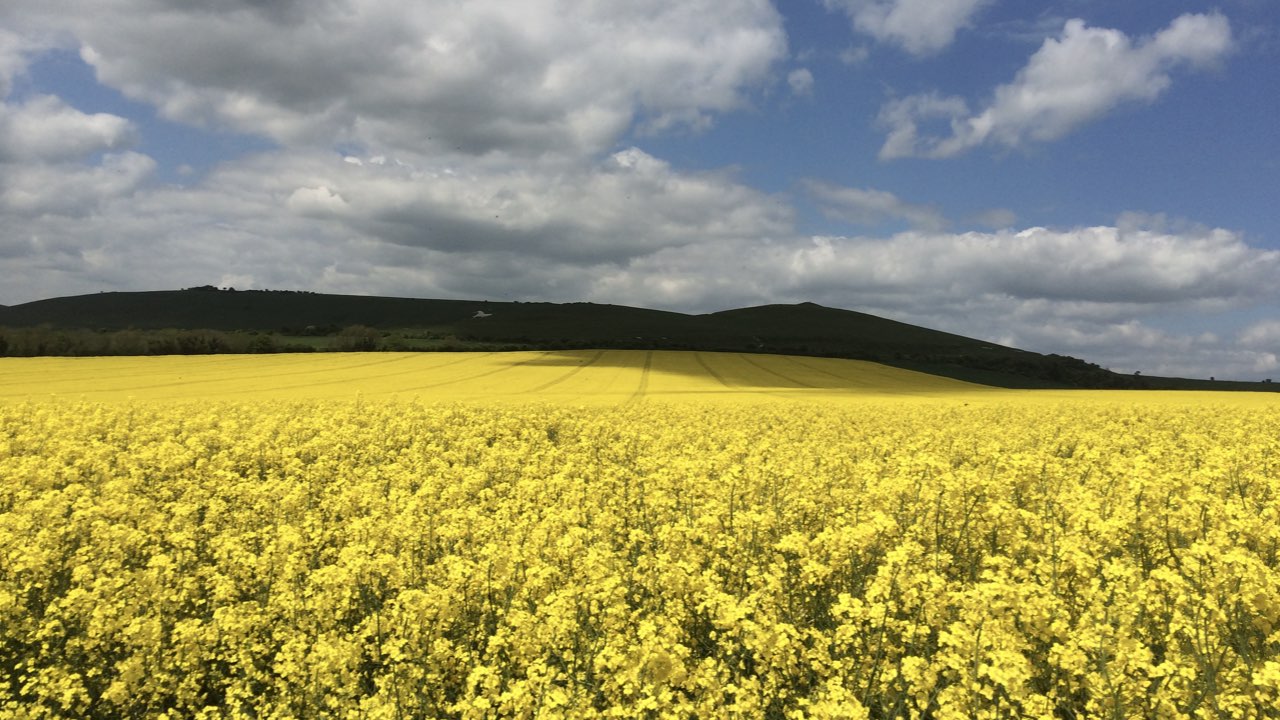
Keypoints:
pixel 62 342
pixel 44 341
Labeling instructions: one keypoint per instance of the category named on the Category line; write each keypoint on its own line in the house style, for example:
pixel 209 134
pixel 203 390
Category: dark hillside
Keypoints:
pixel 230 310
pixel 830 329
pixel 269 321
pixel 804 328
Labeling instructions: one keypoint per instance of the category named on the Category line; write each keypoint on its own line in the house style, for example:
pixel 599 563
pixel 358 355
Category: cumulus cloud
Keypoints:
pixel 868 206
pixel 318 201
pixel 632 229
pixel 1022 288
pixel 45 128
pixel 72 190
pixel 1073 79
pixel 1264 334
pixel 903 117
pixel 920 27
pixel 12 60
pixel 630 203
pixel 482 160
pixel 486 76
pixel 1094 264
pixel 854 55
pixel 800 81
pixel 49 151
pixel 478 137
pixel 1133 346
pixel 462 227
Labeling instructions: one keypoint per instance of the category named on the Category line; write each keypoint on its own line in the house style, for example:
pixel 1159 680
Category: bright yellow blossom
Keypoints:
pixel 702 551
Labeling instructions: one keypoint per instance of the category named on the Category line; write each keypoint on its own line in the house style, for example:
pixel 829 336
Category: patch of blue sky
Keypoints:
pixel 183 153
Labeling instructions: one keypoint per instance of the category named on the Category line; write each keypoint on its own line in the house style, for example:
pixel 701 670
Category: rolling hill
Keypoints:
pixel 410 323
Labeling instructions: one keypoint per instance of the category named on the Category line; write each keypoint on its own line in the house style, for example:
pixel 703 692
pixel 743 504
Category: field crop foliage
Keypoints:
pixel 626 535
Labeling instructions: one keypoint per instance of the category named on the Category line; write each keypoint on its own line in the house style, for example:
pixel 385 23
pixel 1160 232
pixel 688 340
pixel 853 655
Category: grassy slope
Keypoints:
pixel 806 329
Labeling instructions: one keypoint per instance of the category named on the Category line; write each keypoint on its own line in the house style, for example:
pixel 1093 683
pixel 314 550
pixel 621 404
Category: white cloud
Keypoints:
pixel 463 227
pixel 46 129
pixel 48 148
pixel 630 203
pixel 1099 265
pixel 1071 80
pixel 1088 292
pixel 921 27
pixel 854 55
pixel 868 206
pixel 12 60
pixel 72 190
pixel 1133 346
pixel 480 159
pixel 801 82
pixel 486 76
pixel 903 117
pixel 1264 334
pixel 319 201
pixel 631 229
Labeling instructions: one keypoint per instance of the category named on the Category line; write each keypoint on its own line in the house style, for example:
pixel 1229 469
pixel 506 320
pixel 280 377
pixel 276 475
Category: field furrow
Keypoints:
pixel 568 375
pixel 642 388
pixel 771 369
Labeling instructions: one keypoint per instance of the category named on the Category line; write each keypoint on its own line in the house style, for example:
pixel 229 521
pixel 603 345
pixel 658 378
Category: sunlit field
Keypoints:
pixel 596 377
pixel 626 534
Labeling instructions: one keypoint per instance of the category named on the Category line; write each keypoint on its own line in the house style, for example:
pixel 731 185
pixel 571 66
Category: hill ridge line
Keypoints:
pixel 208 319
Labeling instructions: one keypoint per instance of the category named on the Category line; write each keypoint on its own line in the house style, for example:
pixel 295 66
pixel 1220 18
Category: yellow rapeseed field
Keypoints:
pixel 593 377
pixel 629 535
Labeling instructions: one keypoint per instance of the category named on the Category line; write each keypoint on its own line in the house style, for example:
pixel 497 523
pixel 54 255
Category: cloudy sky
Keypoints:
pixel 1085 177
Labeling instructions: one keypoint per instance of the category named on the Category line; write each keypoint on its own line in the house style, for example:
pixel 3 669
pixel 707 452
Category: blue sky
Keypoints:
pixel 1096 179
